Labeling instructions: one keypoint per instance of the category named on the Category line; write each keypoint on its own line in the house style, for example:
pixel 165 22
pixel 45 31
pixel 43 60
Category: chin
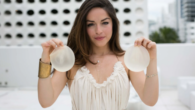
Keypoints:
pixel 101 44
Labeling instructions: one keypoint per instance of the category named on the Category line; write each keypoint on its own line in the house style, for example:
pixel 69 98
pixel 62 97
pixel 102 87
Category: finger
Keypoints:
pixel 135 43
pixel 52 43
pixel 145 43
pixel 45 44
pixel 55 41
pixel 151 44
pixel 139 41
pixel 58 42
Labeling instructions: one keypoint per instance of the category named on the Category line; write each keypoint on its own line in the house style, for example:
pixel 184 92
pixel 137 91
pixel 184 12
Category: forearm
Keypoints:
pixel 45 89
pixel 45 92
pixel 151 87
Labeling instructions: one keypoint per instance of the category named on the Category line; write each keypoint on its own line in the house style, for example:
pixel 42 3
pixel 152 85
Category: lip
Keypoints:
pixel 99 38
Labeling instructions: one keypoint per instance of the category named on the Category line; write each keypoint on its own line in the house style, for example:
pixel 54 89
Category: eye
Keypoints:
pixel 106 23
pixel 92 24
pixel 89 25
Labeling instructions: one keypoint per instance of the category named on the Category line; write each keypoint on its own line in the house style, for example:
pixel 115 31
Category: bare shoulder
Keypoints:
pixel 73 71
pixel 121 58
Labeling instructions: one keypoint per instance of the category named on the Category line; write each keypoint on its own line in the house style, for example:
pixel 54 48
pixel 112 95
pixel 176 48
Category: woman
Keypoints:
pixel 99 80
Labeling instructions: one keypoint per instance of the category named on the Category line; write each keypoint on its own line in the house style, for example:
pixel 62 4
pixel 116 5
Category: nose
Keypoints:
pixel 98 29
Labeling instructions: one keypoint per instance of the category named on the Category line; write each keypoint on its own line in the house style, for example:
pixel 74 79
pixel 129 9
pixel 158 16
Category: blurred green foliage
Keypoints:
pixel 165 35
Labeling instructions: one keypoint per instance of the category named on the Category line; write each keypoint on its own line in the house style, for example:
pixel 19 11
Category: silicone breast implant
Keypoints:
pixel 136 58
pixel 62 58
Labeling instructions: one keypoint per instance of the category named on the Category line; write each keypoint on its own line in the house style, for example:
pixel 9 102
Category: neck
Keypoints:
pixel 100 51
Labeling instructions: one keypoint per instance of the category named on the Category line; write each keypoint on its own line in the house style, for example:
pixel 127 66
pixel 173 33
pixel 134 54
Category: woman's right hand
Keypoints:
pixel 48 47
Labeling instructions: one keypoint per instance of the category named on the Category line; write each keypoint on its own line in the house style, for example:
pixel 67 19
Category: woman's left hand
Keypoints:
pixel 149 45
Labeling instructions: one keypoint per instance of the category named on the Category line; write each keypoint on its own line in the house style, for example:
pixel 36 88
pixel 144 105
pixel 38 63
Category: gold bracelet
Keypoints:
pixel 148 76
pixel 44 69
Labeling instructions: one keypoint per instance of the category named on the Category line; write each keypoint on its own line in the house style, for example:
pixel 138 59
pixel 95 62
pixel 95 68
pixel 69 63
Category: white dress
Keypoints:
pixel 112 94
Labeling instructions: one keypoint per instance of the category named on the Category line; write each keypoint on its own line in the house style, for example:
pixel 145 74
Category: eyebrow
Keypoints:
pixel 101 20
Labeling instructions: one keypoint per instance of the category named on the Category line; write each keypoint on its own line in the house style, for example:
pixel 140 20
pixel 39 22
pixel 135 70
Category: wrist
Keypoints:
pixel 44 69
pixel 152 75
pixel 47 61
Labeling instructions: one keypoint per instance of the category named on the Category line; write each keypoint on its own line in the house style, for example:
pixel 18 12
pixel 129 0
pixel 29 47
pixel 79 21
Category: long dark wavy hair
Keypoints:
pixel 78 39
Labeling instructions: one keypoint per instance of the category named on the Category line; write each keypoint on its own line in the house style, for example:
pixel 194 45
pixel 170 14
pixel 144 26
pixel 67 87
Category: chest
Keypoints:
pixel 101 72
pixel 112 94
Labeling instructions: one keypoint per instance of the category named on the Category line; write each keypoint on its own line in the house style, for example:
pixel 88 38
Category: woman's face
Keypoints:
pixel 99 24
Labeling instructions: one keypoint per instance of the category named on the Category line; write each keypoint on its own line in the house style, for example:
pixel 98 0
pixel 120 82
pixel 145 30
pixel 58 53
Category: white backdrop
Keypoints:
pixel 16 20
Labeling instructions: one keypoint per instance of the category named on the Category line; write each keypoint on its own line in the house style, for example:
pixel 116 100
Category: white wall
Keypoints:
pixel 175 60
pixel 137 16
pixel 21 64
